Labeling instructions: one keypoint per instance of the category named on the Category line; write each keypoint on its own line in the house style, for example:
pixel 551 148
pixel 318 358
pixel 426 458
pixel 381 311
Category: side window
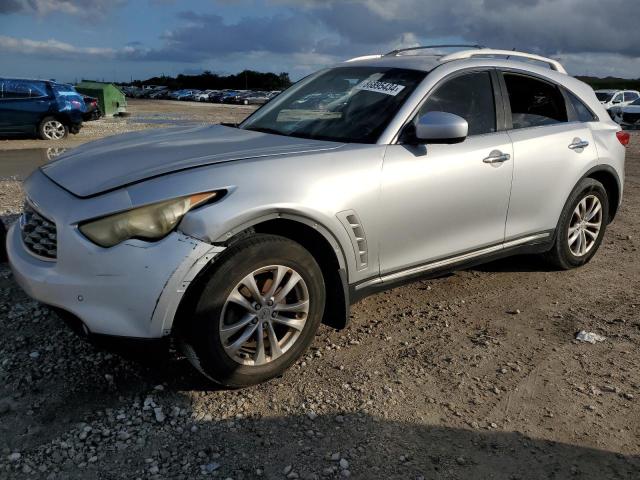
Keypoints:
pixel 534 103
pixel 617 98
pixel 630 96
pixel 471 97
pixel 22 89
pixel 582 111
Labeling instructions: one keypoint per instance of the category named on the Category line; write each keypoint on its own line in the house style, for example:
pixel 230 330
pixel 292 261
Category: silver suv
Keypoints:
pixel 236 242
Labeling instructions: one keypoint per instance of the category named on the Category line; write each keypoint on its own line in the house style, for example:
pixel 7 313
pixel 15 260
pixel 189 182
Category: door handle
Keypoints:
pixel 578 144
pixel 497 157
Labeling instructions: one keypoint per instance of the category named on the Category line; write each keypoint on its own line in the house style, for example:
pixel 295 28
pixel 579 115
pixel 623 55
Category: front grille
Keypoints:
pixel 39 233
pixel 631 117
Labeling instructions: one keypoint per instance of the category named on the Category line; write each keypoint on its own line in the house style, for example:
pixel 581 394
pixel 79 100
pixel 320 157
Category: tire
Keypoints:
pixel 564 255
pixel 3 243
pixel 51 128
pixel 215 316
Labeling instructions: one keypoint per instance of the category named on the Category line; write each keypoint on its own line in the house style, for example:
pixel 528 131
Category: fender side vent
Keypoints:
pixel 354 228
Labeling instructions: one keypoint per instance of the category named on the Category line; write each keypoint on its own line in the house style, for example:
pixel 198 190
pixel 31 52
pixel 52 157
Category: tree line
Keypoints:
pixel 245 80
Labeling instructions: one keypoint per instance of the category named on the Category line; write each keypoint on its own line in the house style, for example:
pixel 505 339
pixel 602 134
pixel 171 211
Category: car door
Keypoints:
pixel 22 106
pixel 440 201
pixel 551 146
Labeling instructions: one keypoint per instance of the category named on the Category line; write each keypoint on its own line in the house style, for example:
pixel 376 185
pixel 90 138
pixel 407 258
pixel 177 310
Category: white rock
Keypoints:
pixel 159 415
pixel 589 337
pixel 14 457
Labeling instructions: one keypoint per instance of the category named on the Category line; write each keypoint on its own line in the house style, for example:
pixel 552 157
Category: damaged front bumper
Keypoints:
pixel 130 290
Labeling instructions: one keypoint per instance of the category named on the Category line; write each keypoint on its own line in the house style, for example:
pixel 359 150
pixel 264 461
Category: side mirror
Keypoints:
pixel 616 101
pixel 441 127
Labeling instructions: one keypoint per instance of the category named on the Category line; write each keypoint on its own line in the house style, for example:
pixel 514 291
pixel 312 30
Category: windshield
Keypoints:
pixel 344 104
pixel 604 96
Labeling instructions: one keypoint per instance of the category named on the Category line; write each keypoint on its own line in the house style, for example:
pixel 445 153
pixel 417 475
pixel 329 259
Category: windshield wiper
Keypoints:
pixel 265 130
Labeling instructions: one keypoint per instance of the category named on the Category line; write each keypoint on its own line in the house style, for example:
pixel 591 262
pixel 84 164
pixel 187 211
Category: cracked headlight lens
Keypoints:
pixel 151 222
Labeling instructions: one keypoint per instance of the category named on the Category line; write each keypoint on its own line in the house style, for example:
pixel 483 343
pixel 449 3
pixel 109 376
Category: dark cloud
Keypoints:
pixel 548 26
pixel 82 8
pixel 332 30
pixel 10 6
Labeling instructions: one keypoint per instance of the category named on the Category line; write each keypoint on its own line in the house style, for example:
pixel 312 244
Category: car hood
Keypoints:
pixel 117 161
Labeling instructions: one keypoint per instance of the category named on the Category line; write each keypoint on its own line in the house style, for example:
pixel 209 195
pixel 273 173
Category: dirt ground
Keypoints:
pixel 476 375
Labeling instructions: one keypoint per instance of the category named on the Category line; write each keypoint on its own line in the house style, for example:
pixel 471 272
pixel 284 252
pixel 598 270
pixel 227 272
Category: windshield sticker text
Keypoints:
pixel 392 89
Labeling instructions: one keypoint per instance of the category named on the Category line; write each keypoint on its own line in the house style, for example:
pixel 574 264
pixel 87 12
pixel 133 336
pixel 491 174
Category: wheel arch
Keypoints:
pixel 607 175
pixel 314 237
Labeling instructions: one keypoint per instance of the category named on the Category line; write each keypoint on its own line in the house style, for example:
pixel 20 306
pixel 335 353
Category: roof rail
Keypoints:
pixel 553 64
pixel 364 57
pixel 399 51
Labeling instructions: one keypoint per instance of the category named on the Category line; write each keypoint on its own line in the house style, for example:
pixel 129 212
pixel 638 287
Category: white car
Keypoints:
pixel 236 242
pixel 627 116
pixel 202 96
pixel 617 98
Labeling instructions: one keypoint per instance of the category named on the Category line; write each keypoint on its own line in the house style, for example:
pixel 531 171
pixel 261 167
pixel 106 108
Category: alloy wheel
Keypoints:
pixel 585 225
pixel 264 315
pixel 53 130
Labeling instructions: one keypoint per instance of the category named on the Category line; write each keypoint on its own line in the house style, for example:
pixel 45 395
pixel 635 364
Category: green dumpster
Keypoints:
pixel 110 98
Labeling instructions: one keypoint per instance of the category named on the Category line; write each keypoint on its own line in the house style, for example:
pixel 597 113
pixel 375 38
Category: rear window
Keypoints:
pixel 534 103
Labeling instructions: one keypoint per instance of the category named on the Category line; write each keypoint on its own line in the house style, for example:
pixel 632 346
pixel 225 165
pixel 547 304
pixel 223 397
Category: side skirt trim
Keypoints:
pixel 438 264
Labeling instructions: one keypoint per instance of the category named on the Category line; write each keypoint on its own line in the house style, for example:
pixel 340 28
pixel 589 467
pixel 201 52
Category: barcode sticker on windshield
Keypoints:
pixel 392 89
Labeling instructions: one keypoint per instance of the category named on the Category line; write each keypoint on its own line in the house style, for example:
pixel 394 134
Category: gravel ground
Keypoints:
pixel 475 375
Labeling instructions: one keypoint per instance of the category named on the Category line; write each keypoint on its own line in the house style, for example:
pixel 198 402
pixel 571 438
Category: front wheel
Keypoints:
pixel 51 128
pixel 581 226
pixel 257 312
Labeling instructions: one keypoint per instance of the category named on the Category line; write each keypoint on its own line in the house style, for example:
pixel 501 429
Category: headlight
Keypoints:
pixel 151 222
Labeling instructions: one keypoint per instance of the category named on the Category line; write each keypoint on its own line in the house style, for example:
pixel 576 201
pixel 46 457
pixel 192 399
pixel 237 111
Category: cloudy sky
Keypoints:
pixel 123 39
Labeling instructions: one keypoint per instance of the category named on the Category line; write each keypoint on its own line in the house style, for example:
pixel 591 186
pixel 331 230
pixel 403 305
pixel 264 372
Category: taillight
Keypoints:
pixel 623 137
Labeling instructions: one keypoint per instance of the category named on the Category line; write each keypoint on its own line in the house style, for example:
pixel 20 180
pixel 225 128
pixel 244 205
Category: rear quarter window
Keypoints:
pixel 583 113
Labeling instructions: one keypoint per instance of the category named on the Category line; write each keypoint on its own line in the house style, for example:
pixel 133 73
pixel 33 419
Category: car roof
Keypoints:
pixel 608 90
pixel 52 82
pixel 426 58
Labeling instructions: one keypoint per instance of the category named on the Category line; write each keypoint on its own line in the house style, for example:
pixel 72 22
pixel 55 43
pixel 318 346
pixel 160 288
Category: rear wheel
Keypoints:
pixel 51 128
pixel 581 226
pixel 257 312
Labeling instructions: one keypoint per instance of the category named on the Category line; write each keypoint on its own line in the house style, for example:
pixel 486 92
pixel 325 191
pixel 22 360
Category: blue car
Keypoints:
pixel 45 108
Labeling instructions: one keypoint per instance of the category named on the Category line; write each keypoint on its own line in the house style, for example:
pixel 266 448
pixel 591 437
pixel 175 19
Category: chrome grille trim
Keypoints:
pixel 39 234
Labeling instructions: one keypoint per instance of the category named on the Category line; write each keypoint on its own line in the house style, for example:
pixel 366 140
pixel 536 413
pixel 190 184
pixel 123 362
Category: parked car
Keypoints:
pixel 233 96
pixel 616 98
pixel 183 94
pixel 237 242
pixel 92 109
pixel 254 98
pixel 48 109
pixel 3 243
pixel 159 94
pixel 627 116
pixel 202 96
